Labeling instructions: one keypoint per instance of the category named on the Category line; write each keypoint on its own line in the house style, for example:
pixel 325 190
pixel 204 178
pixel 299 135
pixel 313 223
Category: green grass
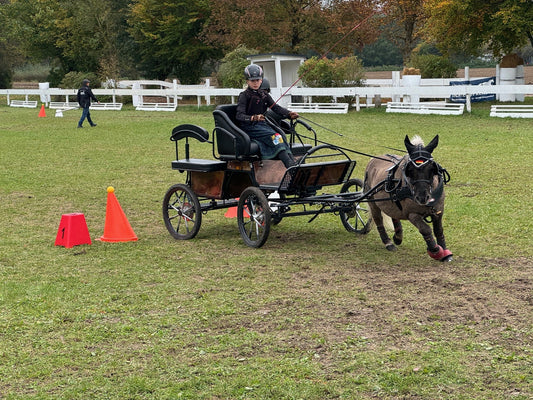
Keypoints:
pixel 316 313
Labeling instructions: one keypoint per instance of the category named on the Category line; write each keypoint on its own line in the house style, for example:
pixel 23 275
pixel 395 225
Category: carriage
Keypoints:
pixel 264 192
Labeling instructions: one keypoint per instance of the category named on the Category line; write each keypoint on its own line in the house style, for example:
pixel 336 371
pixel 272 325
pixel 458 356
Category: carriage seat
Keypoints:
pixel 187 131
pixel 231 141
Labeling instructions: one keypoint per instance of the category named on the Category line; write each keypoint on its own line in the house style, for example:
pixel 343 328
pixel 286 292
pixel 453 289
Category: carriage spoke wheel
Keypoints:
pixel 358 218
pixel 181 212
pixel 253 217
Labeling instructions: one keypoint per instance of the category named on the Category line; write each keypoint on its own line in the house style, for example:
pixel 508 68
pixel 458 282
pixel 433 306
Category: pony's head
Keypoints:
pixel 420 169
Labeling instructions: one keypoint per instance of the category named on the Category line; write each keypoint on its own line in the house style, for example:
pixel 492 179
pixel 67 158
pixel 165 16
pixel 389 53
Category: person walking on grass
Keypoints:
pixel 85 95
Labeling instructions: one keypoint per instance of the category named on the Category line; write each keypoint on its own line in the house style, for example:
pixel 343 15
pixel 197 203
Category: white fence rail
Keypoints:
pixel 423 92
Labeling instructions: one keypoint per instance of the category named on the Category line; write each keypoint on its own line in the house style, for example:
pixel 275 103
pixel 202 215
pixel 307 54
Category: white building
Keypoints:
pixel 281 70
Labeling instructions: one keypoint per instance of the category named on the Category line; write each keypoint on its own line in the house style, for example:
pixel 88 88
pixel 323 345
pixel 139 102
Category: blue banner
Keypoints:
pixel 474 97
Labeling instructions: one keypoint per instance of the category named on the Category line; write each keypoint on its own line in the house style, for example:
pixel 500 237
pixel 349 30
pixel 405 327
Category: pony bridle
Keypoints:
pixel 420 159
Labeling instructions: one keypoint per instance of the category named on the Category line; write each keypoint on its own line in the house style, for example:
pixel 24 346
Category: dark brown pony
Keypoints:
pixel 409 188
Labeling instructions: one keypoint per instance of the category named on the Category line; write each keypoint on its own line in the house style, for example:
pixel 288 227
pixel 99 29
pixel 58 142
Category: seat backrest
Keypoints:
pixel 230 110
pixel 232 142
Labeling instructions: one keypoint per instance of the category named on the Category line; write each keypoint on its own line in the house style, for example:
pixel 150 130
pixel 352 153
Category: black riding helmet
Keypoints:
pixel 253 72
pixel 265 85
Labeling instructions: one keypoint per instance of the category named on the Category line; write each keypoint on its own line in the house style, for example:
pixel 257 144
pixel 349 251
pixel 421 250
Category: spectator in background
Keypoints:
pixel 85 95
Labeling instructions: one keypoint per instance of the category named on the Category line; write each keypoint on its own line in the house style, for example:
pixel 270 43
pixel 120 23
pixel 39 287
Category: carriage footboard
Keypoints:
pixel 306 178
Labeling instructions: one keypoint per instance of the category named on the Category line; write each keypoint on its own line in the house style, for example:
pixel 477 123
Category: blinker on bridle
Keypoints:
pixel 419 158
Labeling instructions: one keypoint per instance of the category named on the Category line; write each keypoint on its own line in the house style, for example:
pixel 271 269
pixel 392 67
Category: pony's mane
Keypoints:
pixel 417 141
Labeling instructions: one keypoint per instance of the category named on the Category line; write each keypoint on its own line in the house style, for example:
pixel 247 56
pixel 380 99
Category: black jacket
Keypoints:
pixel 85 94
pixel 252 102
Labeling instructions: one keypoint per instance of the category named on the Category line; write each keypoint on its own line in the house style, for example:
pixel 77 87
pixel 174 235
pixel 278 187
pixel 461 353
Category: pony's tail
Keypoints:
pixel 387 221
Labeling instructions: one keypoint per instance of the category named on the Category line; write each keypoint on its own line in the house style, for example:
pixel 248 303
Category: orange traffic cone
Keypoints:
pixel 42 113
pixel 117 227
pixel 72 231
pixel 232 212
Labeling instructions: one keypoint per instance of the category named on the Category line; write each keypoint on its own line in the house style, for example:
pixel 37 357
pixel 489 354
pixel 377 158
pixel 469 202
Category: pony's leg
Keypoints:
pixel 425 231
pixel 378 219
pixel 439 231
pixel 398 231
pixel 445 254
pixel 434 250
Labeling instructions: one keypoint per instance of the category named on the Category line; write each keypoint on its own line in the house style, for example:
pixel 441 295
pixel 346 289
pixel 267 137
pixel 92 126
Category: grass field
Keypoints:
pixel 317 313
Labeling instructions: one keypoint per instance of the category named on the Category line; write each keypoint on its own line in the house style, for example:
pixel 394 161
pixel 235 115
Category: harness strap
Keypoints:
pixel 397 192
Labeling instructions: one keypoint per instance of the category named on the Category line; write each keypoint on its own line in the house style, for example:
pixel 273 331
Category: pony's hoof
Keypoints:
pixel 391 247
pixel 397 241
pixel 441 254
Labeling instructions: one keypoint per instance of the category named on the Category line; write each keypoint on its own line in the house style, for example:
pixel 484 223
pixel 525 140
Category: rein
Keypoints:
pixel 345 148
pixel 340 134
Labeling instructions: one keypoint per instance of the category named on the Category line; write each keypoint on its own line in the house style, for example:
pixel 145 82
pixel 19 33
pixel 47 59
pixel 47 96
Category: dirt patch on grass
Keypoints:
pixel 495 291
pixel 477 314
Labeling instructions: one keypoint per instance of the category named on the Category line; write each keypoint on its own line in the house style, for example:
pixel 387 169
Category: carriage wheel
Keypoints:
pixel 253 217
pixel 182 212
pixel 359 218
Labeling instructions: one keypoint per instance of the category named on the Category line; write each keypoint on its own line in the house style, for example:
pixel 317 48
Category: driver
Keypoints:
pixel 252 105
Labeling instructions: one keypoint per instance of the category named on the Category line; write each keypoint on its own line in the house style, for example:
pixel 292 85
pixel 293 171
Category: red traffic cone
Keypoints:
pixel 72 231
pixel 42 113
pixel 117 227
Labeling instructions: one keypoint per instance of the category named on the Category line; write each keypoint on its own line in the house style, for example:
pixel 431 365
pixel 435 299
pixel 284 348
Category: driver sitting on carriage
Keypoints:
pixel 252 105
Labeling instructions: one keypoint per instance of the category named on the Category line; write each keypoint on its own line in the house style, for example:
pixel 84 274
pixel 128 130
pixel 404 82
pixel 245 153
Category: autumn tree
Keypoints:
pixel 345 15
pixel 267 25
pixel 403 22
pixel 468 26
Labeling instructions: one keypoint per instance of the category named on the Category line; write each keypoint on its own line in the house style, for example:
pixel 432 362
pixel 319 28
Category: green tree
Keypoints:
pixel 75 35
pixel 468 26
pixel 230 73
pixel 434 66
pixel 323 72
pixel 7 52
pixel 167 34
pixel 381 52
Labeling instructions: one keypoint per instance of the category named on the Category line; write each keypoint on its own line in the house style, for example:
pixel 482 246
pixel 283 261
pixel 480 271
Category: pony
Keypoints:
pixel 412 188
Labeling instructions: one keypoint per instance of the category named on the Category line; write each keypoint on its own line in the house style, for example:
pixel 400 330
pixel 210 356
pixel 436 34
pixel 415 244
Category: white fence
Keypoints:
pixel 369 92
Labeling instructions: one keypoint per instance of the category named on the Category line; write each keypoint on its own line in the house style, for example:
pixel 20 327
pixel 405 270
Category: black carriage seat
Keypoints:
pixel 231 141
pixel 187 131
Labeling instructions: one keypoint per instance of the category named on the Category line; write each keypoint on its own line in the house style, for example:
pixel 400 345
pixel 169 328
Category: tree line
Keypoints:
pixel 160 39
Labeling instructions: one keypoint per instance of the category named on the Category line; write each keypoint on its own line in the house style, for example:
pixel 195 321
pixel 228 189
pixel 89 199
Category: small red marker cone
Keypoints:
pixel 42 113
pixel 72 231
pixel 117 227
